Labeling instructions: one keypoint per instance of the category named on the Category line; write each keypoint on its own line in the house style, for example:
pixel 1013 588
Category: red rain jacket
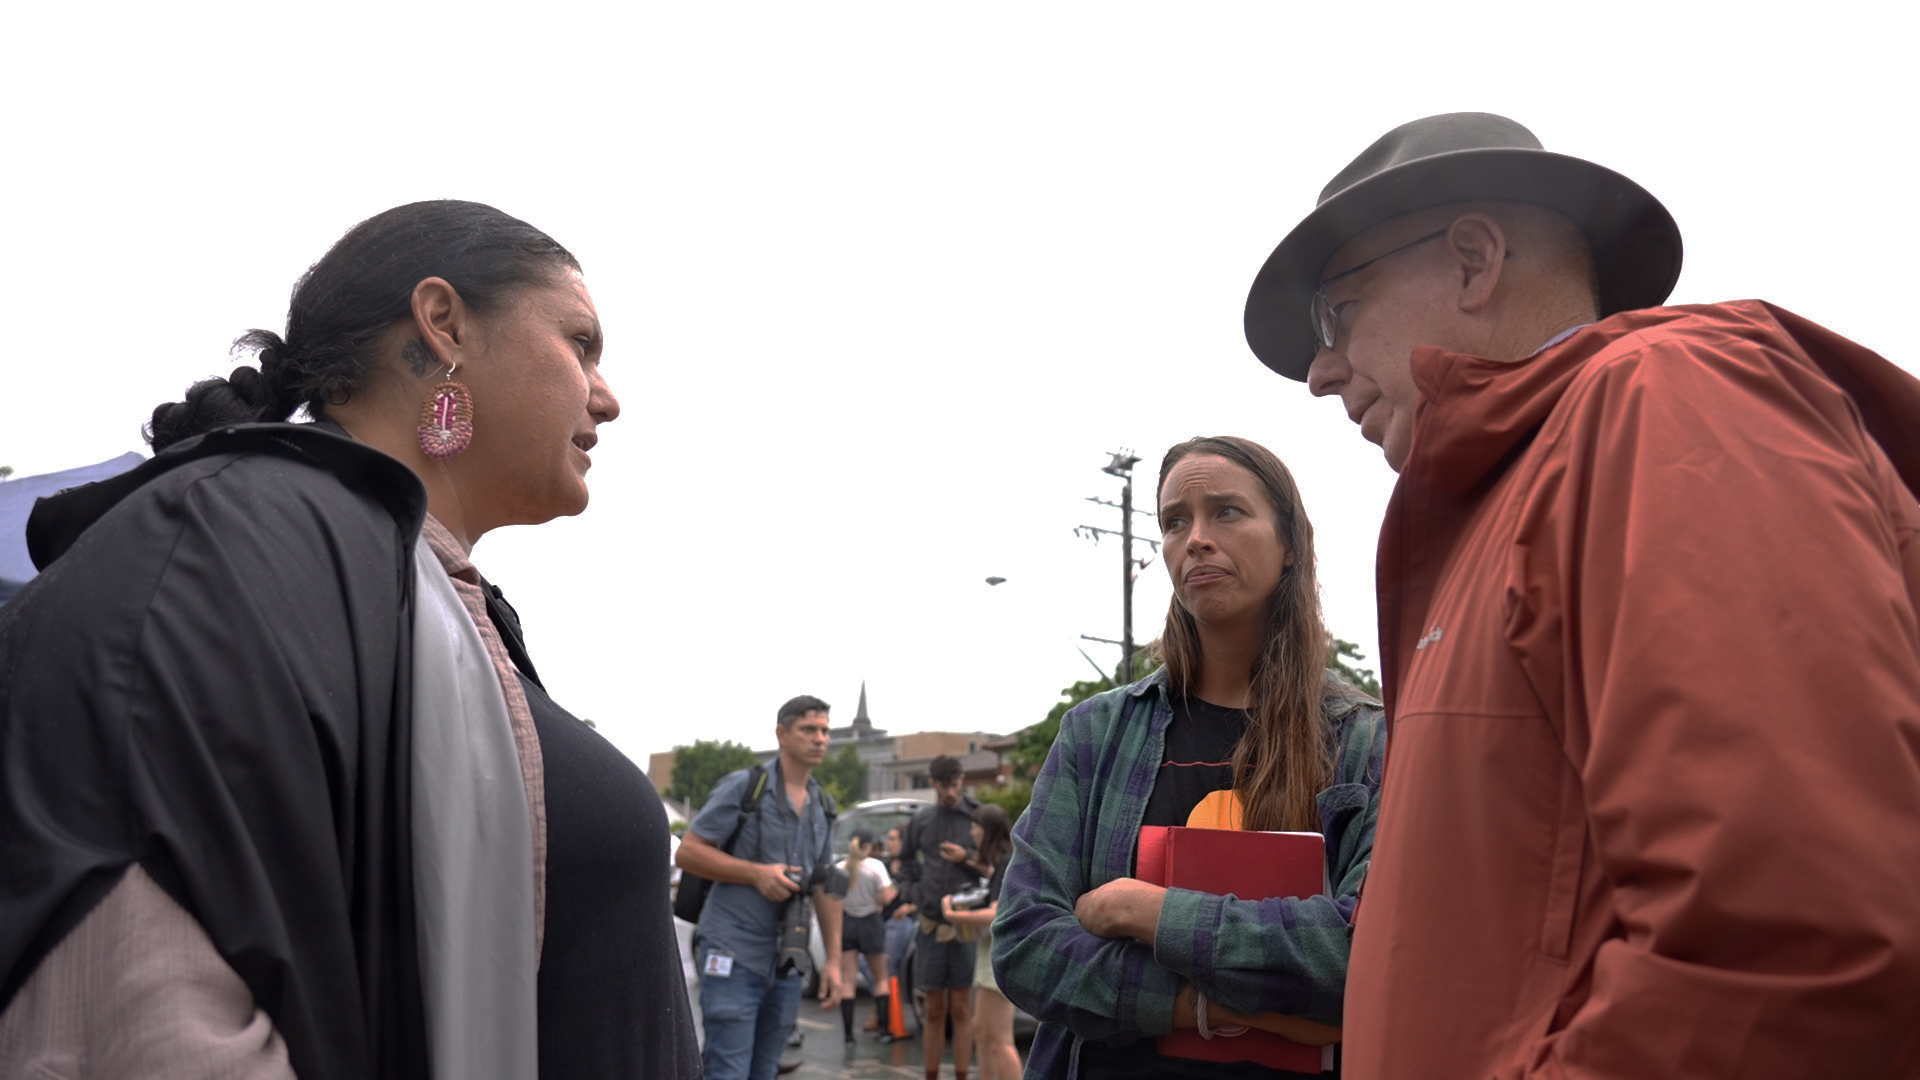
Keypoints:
pixel 1652 807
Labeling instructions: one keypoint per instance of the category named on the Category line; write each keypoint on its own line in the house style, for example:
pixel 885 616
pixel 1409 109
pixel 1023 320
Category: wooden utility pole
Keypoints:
pixel 1122 467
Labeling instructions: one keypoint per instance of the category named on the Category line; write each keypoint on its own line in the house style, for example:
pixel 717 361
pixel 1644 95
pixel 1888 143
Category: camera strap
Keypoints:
pixel 756 787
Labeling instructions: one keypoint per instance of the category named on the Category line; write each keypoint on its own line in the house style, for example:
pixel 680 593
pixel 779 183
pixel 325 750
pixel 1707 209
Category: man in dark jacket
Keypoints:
pixel 939 843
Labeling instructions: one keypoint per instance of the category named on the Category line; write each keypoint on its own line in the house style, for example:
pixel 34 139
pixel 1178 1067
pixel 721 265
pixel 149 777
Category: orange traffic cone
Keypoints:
pixel 896 1021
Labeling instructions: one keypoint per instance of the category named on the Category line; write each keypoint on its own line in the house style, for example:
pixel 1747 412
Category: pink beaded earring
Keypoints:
pixel 446 420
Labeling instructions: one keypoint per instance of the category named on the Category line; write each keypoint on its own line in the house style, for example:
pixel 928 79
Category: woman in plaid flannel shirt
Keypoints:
pixel 1243 728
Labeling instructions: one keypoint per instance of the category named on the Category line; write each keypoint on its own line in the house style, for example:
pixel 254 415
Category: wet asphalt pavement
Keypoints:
pixel 825 1053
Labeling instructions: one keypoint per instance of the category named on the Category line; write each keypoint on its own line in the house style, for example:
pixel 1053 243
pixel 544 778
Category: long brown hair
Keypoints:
pixel 1285 758
pixel 996 836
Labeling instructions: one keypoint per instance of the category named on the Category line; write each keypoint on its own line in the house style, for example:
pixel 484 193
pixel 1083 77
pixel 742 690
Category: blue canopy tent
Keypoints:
pixel 16 503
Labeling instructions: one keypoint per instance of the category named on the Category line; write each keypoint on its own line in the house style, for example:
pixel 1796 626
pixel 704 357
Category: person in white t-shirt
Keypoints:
pixel 863 930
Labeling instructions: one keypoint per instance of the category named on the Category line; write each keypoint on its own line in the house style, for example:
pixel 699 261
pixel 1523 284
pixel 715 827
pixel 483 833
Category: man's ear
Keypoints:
pixel 440 327
pixel 1479 247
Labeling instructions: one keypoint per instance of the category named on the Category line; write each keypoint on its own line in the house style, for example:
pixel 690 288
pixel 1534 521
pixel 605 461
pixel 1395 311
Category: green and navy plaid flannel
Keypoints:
pixel 1080 832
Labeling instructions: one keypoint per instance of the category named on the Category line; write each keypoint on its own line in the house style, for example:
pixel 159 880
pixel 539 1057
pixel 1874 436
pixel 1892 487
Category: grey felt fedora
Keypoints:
pixel 1459 157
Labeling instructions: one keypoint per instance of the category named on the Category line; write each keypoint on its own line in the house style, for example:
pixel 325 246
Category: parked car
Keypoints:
pixel 876 816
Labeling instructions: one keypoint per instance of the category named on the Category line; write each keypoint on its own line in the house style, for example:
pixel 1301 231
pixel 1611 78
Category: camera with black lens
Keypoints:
pixel 971 898
pixel 796 928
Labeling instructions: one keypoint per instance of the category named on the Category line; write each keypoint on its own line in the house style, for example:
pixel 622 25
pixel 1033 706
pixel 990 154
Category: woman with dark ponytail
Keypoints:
pixel 992 1014
pixel 283 793
pixel 1243 728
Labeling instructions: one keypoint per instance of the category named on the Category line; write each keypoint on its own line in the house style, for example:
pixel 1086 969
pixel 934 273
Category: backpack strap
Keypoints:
pixel 756 787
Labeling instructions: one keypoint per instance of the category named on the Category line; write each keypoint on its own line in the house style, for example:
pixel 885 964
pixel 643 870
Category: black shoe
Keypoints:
pixel 788 1066
pixel 885 1036
pixel 794 1040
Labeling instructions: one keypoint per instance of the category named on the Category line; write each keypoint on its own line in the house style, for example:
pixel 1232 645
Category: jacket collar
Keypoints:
pixel 777 783
pixel 1337 698
pixel 968 804
pixel 1157 679
pixel 57 521
pixel 1475 413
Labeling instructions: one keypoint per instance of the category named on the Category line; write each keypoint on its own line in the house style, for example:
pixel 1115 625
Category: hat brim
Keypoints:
pixel 1634 240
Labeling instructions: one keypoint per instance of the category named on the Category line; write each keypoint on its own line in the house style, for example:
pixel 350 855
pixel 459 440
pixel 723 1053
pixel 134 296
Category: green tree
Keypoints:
pixel 1012 796
pixel 698 767
pixel 1339 652
pixel 843 775
pixel 1030 750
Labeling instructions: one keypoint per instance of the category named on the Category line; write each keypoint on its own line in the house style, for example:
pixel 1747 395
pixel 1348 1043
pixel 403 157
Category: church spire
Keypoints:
pixel 861 721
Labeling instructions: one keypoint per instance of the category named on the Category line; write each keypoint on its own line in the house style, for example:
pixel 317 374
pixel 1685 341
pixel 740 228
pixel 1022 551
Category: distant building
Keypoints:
pixel 905 775
pixel 660 770
pixel 896 764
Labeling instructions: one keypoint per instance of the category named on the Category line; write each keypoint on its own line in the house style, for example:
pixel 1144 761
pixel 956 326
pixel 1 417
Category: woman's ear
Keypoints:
pixel 440 328
pixel 1479 248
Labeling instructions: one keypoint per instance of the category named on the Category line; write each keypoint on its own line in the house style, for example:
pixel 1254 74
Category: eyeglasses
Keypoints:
pixel 1326 321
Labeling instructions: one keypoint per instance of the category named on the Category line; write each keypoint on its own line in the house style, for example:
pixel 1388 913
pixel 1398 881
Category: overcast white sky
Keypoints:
pixel 883 283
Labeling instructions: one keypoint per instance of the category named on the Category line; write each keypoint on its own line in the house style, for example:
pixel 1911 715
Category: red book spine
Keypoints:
pixel 1150 861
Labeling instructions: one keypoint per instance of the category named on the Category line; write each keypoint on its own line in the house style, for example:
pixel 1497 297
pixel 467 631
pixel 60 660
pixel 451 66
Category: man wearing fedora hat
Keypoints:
pixel 1648 591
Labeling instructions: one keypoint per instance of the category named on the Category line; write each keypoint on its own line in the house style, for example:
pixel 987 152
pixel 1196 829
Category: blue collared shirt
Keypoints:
pixel 737 920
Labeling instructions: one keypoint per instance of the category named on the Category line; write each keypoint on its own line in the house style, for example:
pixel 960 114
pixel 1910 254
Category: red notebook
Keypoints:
pixel 1249 866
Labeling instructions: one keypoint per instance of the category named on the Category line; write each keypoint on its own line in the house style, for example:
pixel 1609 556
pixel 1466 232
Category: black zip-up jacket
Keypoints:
pixel 926 876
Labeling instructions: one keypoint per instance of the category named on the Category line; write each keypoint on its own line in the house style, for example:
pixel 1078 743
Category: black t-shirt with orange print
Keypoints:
pixel 1195 784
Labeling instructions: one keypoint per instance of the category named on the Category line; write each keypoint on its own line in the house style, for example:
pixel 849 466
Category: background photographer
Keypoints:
pixel 749 986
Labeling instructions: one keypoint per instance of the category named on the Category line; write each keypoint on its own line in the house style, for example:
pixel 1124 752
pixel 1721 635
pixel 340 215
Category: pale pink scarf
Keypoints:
pixel 466 583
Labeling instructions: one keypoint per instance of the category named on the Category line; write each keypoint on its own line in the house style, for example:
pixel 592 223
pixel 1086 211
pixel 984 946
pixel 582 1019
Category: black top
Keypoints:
pixel 899 894
pixel 612 1001
pixel 998 879
pixel 1198 759
pixel 1197 763
pixel 925 875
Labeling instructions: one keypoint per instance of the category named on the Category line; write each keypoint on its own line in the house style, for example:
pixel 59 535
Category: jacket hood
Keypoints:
pixel 58 520
pixel 1474 412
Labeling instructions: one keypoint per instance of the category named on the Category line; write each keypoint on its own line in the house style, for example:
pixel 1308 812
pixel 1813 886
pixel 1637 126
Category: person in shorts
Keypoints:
pixel 934 864
pixel 864 929
pixel 992 1012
